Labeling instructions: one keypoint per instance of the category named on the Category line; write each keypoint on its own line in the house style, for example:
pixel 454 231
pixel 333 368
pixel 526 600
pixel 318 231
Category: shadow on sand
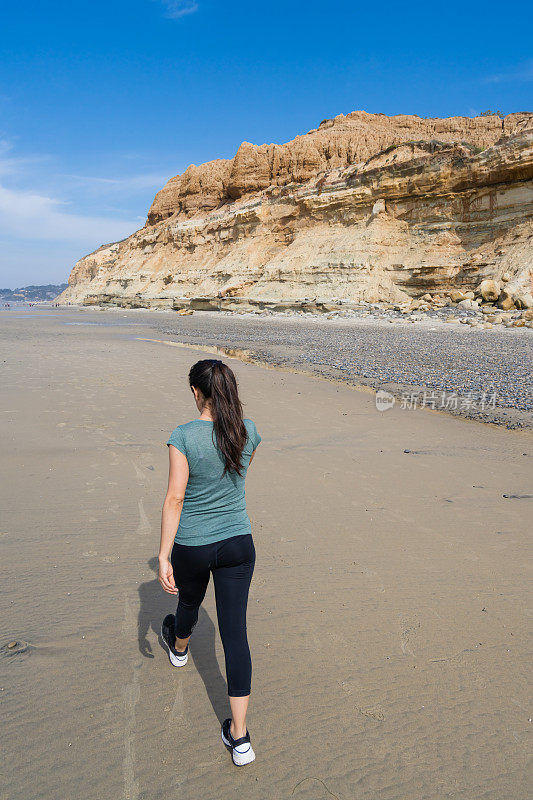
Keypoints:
pixel 153 606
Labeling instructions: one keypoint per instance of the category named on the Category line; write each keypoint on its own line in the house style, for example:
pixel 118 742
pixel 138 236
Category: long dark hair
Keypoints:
pixel 217 383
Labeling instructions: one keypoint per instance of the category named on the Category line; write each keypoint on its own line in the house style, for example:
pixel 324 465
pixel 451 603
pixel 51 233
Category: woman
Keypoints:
pixel 205 529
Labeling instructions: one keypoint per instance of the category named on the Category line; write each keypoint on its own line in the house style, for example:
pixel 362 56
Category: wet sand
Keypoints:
pixel 478 374
pixel 388 613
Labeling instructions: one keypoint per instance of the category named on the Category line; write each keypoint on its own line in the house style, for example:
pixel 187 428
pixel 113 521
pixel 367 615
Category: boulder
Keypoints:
pixel 524 300
pixel 506 300
pixel 456 296
pixel 489 290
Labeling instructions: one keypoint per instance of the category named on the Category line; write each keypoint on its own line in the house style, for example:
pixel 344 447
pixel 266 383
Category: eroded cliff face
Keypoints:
pixel 365 207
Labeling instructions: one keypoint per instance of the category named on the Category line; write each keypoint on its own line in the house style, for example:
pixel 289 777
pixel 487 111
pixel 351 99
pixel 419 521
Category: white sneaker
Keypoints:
pixel 241 749
pixel 167 634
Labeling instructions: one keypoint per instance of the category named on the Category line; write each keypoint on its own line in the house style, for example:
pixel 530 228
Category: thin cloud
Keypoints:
pixel 179 8
pixel 48 220
pixel 34 216
pixel 521 74
pixel 142 181
pixel 16 165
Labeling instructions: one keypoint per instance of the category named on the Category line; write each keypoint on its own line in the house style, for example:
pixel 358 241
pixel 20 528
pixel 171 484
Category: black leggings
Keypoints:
pixel 232 563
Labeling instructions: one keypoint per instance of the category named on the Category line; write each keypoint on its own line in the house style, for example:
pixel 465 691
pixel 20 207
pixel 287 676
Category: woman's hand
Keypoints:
pixel 166 576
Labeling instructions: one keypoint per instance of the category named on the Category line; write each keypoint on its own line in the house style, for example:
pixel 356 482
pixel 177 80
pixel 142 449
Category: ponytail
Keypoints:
pixel 217 383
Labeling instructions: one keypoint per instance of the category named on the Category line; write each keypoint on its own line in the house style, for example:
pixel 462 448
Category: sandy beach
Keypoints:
pixel 388 617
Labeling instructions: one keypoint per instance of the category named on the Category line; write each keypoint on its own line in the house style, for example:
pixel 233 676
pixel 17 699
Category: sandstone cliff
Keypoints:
pixel 364 207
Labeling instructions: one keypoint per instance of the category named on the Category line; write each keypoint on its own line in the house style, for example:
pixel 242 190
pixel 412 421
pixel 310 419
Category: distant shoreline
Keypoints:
pixel 46 293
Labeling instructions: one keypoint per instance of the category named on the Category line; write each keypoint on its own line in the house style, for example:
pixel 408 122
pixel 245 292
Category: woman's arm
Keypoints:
pixel 178 475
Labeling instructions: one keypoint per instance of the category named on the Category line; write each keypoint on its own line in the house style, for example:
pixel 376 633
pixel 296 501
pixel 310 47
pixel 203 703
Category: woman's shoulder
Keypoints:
pixel 183 427
pixel 187 426
pixel 253 433
pixel 182 433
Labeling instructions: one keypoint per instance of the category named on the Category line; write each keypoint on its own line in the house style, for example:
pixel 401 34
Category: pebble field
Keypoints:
pixel 462 369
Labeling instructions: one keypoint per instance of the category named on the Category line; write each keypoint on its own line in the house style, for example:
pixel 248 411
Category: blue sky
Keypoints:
pixel 100 103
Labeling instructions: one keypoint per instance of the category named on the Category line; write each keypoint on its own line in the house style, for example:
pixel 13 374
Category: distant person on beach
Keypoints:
pixel 205 529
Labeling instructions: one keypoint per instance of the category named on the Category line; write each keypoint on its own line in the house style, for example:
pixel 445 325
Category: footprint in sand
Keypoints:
pixel 144 527
pixel 407 629
pixel 373 712
pixel 353 687
pixel 140 475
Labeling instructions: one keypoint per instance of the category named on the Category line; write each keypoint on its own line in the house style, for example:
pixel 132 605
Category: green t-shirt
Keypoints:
pixel 214 506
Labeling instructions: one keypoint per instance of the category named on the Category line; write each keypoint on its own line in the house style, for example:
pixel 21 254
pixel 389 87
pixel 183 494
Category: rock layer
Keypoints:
pixel 364 207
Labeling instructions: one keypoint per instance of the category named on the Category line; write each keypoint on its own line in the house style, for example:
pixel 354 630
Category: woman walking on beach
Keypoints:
pixel 205 529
